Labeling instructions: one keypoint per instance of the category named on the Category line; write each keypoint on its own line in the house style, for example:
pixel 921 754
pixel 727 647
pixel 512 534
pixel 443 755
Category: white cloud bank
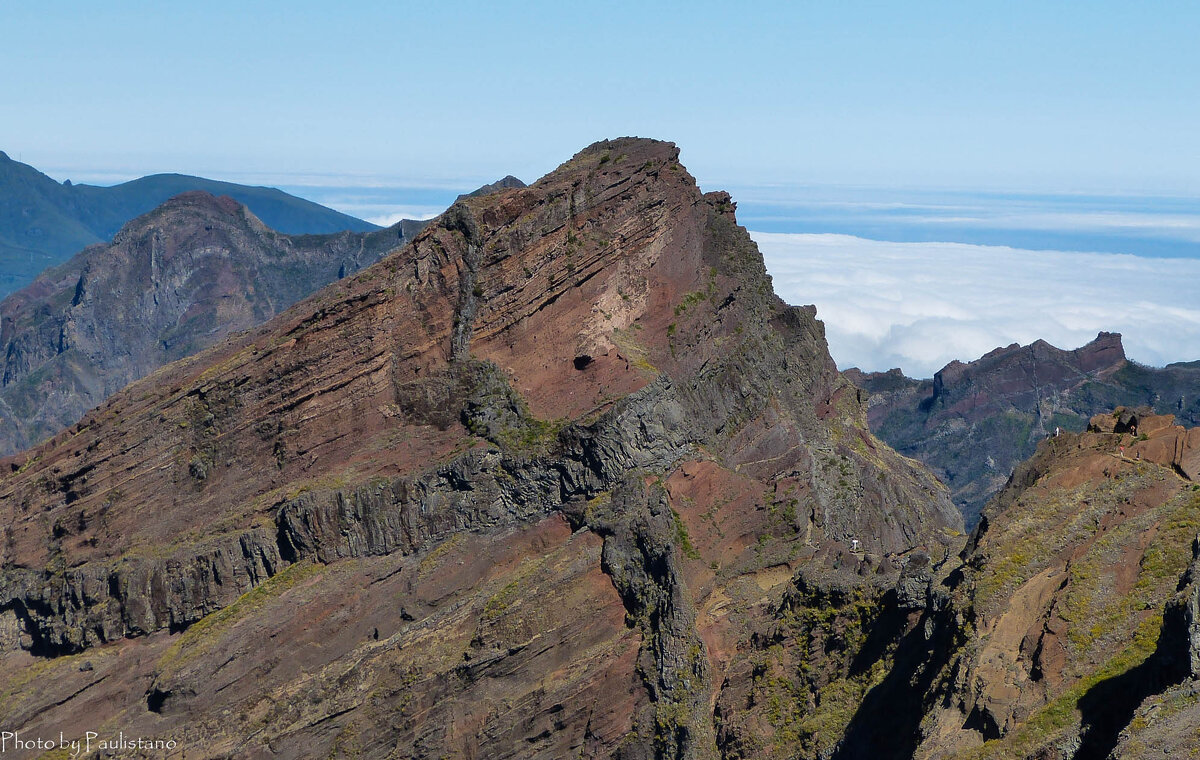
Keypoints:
pixel 419 213
pixel 919 305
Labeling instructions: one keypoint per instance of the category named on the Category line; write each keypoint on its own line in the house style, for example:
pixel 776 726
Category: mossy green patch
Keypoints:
pixel 434 557
pixel 633 350
pixel 803 683
pixel 682 538
pixel 534 436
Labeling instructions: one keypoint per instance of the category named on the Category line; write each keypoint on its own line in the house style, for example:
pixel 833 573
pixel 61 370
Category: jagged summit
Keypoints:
pixel 1104 353
pixel 543 472
pixel 974 421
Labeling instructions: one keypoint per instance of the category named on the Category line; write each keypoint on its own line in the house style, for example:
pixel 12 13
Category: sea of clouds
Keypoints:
pixel 918 306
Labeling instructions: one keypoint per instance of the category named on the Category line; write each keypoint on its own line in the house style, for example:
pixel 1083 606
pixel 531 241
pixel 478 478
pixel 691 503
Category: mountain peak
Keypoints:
pixel 57 220
pixel 202 200
pixel 975 421
pixel 1105 351
pixel 663 148
pixel 637 151
pixel 507 182
pixel 192 270
pixel 189 213
pixel 574 411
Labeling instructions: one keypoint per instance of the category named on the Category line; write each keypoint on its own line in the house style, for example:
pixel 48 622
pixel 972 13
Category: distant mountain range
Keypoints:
pixel 44 222
pixel 172 282
pixel 974 422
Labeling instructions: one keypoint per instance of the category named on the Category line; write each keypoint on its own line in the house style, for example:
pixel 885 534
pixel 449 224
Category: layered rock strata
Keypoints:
pixel 537 485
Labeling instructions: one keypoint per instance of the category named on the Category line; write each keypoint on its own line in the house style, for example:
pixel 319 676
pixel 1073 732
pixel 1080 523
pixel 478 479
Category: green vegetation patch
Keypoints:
pixel 804 683
pixel 682 538
pixel 633 350
pixel 535 436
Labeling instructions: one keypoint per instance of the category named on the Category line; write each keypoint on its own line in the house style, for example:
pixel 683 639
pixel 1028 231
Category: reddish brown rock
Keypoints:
pixel 526 488
pixel 1069 584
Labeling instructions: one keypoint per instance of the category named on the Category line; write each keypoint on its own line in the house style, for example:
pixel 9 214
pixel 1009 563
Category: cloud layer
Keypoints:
pixel 919 305
pixel 419 213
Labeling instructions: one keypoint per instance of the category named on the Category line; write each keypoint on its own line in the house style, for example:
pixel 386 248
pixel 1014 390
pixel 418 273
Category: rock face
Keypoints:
pixel 172 282
pixel 1164 724
pixel 1067 628
pixel 548 482
pixel 1073 613
pixel 973 423
pixel 43 223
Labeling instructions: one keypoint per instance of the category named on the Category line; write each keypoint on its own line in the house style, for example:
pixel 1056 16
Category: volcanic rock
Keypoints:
pixel 544 483
pixel 1074 610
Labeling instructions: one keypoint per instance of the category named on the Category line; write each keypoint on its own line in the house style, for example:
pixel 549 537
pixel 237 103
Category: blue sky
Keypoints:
pixel 1071 96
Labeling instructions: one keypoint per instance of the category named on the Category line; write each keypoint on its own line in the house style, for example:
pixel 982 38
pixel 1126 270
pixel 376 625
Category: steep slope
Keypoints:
pixel 172 282
pixel 530 487
pixel 973 423
pixel 42 222
pixel 1068 628
pixel 1072 605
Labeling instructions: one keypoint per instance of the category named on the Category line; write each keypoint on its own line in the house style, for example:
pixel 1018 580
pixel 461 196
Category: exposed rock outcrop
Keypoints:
pixel 1066 629
pixel 533 486
pixel 1073 600
pixel 1183 616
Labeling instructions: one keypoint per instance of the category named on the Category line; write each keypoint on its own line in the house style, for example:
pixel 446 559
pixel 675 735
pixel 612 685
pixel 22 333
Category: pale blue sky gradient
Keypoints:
pixel 1099 97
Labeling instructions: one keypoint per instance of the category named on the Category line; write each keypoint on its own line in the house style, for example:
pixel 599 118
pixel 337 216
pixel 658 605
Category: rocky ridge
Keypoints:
pixel 1073 609
pixel 973 423
pixel 506 182
pixel 44 222
pixel 172 282
pixel 1066 629
pixel 543 483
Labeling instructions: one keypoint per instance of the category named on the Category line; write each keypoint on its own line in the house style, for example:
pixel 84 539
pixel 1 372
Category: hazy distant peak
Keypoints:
pixel 505 183
pixel 44 222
